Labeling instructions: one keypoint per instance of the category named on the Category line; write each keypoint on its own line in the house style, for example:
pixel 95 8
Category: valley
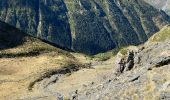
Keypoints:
pixel 84 50
pixel 51 73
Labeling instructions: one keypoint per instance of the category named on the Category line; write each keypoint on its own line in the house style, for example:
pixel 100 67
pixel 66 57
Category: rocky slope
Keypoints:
pixel 90 26
pixel 161 4
pixel 148 80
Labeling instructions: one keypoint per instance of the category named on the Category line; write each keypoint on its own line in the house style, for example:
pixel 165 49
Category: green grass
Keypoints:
pixel 163 35
pixel 124 51
pixel 107 55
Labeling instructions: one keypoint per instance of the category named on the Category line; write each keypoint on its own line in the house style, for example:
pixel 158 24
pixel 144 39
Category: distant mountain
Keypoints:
pixel 161 4
pixel 88 26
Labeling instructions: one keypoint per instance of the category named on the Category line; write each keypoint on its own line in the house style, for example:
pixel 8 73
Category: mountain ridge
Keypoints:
pixel 160 4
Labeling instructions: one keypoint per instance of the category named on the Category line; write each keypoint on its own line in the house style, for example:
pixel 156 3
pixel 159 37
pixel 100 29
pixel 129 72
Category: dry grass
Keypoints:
pixel 24 64
pixel 18 73
pixel 32 47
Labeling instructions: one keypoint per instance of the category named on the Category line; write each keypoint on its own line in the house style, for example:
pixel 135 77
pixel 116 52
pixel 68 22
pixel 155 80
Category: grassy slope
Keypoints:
pixel 26 63
pixel 31 59
pixel 162 35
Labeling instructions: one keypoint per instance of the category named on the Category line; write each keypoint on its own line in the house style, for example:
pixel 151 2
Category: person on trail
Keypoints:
pixel 130 61
pixel 130 56
pixel 121 65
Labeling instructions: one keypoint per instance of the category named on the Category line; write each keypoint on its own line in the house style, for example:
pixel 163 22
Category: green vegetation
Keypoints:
pixel 124 51
pixel 106 56
pixel 163 35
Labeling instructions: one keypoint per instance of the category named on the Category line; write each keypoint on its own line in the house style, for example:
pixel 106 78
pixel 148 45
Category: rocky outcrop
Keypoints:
pixel 90 26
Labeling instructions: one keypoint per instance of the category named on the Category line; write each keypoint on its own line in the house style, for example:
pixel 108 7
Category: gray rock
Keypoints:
pixel 134 78
pixel 165 96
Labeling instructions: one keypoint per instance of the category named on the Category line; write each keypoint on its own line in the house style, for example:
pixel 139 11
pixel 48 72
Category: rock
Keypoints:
pixel 75 95
pixel 165 96
pixel 134 78
pixel 156 78
pixel 163 61
pixel 165 86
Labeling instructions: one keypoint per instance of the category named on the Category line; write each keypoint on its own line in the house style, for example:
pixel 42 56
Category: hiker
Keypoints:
pixel 121 65
pixel 130 61
pixel 139 59
pixel 130 56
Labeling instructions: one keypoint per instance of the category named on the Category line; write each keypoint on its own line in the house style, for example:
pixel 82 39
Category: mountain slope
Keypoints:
pixel 51 73
pixel 161 4
pixel 24 60
pixel 162 35
pixel 90 26
pixel 7 39
pixel 148 80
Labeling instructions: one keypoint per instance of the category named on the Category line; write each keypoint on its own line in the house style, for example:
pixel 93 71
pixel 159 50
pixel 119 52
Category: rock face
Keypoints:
pixel 89 26
pixel 161 4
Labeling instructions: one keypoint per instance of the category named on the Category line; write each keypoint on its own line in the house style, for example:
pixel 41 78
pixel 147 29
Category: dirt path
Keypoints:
pixel 63 85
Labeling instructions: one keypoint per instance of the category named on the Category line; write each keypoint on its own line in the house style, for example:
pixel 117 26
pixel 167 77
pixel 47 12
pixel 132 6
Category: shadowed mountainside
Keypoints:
pixel 12 37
